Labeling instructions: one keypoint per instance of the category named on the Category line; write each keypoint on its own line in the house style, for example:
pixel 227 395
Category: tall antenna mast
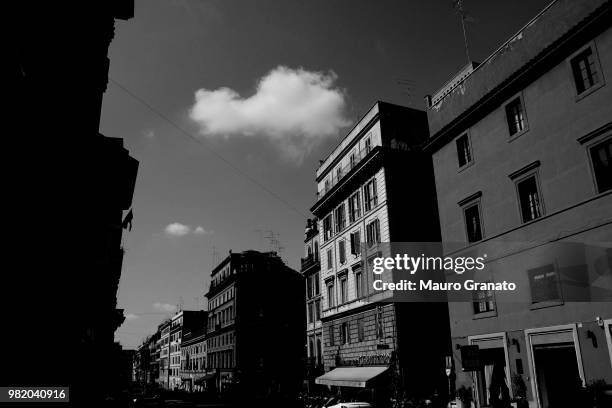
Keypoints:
pixel 459 6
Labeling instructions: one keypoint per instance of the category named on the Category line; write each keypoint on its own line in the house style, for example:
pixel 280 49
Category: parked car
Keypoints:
pixel 338 403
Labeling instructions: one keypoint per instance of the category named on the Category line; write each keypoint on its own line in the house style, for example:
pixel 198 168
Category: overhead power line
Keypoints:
pixel 184 132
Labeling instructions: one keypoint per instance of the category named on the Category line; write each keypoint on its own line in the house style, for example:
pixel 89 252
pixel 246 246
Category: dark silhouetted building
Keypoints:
pixel 255 339
pixel 70 191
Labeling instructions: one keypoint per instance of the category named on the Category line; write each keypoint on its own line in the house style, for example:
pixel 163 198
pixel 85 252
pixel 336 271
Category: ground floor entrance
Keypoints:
pixel 556 366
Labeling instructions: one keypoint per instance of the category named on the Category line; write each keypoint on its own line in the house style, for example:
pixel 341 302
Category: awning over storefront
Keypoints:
pixel 350 376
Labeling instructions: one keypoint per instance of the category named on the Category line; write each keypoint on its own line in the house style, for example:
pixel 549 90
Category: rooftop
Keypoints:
pixel 533 41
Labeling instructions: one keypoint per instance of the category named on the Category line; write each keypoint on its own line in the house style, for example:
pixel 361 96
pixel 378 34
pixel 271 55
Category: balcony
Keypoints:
pixel 309 262
pixel 337 176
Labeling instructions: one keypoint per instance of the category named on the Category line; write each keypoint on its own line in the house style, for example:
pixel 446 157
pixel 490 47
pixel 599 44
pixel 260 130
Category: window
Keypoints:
pixel 544 283
pixel 317 288
pixel 343 290
pixel 601 157
pixel 327 185
pixel 340 217
pixel 360 330
pixel 379 323
pixel 354 207
pixel 342 251
pixel 353 159
pixel 585 70
pixel 344 333
pixel 529 198
pixel 310 313
pixel 317 308
pixel 356 243
pixel 484 301
pixel 330 295
pixel 373 233
pixel 327 227
pixel 472 222
pixel 370 196
pixel 331 336
pixel 368 144
pixel 309 287
pixel 464 152
pixel 330 259
pixel 358 284
pixel 515 116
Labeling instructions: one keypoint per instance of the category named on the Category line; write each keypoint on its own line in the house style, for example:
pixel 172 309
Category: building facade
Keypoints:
pixel 164 354
pixel 310 269
pixel 176 330
pixel 88 180
pixel 365 202
pixel 255 333
pixel 193 361
pixel 522 152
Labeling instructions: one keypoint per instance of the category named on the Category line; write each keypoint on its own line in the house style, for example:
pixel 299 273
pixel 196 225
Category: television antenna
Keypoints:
pixel 465 18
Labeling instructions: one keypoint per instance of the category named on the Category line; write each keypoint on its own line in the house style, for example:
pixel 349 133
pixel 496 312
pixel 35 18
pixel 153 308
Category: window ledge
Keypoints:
pixel 545 304
pixel 484 315
pixel 515 136
pixel 589 91
pixel 465 166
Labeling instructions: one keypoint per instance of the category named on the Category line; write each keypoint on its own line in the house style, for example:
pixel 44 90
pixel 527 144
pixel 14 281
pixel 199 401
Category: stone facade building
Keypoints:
pixel 366 201
pixel 311 270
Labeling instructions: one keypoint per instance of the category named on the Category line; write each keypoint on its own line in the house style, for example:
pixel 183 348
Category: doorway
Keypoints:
pixel 491 378
pixel 557 375
pixel 555 365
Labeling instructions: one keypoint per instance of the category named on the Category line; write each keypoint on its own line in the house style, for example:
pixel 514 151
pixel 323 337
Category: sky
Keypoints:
pixel 230 104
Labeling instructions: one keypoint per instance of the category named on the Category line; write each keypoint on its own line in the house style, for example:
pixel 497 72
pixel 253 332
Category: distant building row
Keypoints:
pixel 253 297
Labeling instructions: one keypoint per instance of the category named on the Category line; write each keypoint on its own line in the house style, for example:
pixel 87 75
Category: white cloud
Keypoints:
pixel 164 307
pixel 131 316
pixel 201 231
pixel 293 108
pixel 176 229
pixel 149 134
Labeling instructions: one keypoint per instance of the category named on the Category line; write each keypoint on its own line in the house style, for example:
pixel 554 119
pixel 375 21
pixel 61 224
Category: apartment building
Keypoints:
pixel 376 188
pixel 311 270
pixel 164 354
pixel 193 361
pixel 255 336
pixel 176 330
pixel 522 153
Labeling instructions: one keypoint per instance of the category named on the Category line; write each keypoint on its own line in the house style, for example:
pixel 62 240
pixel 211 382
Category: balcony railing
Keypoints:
pixel 336 177
pixel 309 261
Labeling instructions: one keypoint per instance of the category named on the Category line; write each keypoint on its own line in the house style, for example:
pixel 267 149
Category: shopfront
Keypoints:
pixel 365 377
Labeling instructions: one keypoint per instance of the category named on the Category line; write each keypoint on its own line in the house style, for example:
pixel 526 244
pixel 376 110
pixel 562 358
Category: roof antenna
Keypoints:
pixel 458 4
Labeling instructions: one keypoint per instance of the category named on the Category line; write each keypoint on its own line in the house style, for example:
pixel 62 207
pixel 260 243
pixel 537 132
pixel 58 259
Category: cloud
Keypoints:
pixel 149 134
pixel 176 229
pixel 131 316
pixel 293 108
pixel 199 230
pixel 164 307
